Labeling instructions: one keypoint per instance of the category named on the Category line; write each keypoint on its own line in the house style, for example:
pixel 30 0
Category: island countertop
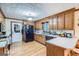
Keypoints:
pixel 63 42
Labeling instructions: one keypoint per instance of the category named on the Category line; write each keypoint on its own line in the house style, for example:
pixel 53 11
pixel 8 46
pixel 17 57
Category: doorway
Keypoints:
pixel 16 31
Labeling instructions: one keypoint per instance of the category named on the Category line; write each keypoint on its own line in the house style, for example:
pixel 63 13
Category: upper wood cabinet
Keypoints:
pixel 38 25
pixel 1 17
pixel 54 23
pixel 69 16
pixel 61 21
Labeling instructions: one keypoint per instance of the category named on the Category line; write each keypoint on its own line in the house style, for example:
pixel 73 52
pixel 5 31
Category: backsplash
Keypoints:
pixel 38 31
pixel 56 31
pixel 63 31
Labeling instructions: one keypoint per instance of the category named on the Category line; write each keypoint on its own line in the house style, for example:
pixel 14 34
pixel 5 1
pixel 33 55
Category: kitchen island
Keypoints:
pixel 60 46
pixel 57 45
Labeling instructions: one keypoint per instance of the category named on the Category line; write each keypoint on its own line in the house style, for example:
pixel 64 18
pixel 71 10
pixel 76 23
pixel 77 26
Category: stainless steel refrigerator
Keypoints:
pixel 28 33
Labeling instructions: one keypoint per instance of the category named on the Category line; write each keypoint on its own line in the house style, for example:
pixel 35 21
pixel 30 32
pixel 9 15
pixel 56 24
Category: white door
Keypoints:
pixel 16 32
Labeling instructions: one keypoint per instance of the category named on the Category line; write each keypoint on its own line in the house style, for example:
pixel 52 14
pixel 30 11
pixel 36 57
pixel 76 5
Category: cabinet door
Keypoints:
pixel 69 20
pixel 54 23
pixel 40 38
pixel 61 21
pixel 38 26
pixel 1 17
pixel 1 50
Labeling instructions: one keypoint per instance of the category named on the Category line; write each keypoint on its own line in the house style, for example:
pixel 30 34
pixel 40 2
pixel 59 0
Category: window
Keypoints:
pixel 45 26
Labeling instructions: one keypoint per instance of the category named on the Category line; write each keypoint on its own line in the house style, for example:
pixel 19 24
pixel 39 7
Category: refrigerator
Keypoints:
pixel 28 33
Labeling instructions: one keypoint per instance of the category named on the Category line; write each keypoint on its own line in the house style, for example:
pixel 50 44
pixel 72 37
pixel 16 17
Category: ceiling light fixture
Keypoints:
pixel 30 19
pixel 29 13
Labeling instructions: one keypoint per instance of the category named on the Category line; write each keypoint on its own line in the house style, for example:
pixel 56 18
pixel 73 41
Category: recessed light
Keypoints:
pixel 30 19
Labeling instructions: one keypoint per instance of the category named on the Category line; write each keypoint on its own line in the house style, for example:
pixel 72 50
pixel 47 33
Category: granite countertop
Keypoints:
pixel 63 42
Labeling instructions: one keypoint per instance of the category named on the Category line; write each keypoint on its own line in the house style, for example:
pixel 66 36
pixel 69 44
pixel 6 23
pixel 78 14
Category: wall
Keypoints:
pixel 8 25
pixel 28 22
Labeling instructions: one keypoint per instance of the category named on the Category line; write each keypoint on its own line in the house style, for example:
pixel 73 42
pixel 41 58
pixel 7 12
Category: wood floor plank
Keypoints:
pixel 28 49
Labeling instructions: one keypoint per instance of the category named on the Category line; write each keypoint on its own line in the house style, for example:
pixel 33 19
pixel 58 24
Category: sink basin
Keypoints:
pixel 49 37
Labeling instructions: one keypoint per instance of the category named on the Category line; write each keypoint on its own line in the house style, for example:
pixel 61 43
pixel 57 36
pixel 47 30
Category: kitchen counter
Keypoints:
pixel 59 46
pixel 3 42
pixel 43 37
pixel 63 42
pixel 60 41
pixel 44 34
pixel 3 36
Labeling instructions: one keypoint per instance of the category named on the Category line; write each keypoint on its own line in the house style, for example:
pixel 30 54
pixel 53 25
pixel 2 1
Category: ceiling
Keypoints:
pixel 35 11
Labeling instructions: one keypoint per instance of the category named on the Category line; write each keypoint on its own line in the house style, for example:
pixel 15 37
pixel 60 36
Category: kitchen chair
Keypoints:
pixel 3 47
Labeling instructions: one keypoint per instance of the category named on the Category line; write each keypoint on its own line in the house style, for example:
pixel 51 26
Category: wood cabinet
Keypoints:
pixel 53 50
pixel 61 21
pixel 40 38
pixel 1 50
pixel 1 17
pixel 37 26
pixel 69 16
pixel 54 23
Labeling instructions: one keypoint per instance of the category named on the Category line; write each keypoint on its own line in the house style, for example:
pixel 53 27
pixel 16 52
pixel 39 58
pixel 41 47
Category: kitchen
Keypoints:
pixel 62 34
pixel 57 32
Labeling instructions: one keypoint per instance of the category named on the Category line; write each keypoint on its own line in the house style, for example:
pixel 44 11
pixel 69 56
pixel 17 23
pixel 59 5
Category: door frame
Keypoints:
pixel 11 27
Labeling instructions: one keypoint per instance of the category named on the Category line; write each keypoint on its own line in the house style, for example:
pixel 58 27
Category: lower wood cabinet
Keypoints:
pixel 1 50
pixel 53 50
pixel 40 38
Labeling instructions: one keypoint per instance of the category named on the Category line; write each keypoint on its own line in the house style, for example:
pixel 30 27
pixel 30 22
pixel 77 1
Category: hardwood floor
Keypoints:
pixel 28 49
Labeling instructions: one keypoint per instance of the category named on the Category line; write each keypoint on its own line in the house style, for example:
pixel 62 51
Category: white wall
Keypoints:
pixel 8 25
pixel 8 30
